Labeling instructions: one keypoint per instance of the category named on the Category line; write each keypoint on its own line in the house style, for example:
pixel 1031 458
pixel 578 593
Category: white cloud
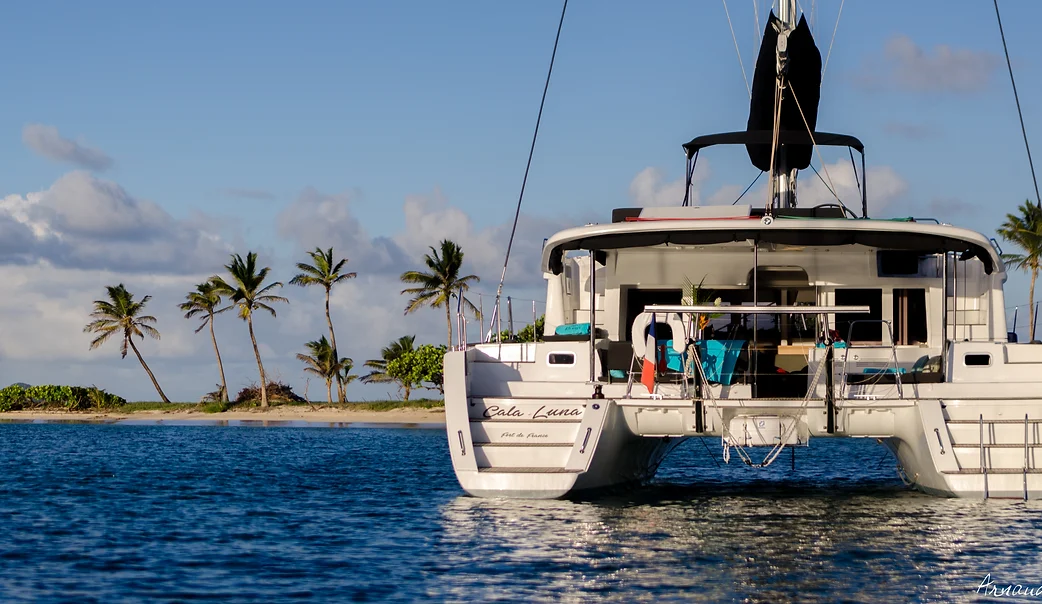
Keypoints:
pixel 649 188
pixel 82 221
pixel 46 141
pixel 904 65
pixel 885 186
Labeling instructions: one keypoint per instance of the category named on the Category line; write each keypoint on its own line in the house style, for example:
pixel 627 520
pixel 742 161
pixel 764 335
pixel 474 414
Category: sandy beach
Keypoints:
pixel 275 416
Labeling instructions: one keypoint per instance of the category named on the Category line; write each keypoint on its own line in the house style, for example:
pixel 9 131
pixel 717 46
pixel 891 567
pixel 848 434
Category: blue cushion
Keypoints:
pixel 617 374
pixel 573 329
pixel 719 358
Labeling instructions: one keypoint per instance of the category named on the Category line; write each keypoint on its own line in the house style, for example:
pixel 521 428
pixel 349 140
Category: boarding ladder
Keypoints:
pixel 892 347
pixel 996 448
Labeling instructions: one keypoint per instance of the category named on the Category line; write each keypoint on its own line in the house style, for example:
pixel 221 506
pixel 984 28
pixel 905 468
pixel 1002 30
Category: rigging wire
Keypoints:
pixel 531 152
pixel 747 188
pixel 1020 114
pixel 737 50
pixel 833 41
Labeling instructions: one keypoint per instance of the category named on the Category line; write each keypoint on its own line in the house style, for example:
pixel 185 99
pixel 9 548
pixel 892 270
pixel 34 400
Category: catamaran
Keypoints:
pixel 762 326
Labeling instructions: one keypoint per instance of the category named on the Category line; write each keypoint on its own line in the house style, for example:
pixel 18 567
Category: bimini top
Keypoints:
pixel 765 137
pixel 884 234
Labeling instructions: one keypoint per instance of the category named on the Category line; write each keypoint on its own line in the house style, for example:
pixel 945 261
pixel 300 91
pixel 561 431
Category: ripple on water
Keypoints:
pixel 114 512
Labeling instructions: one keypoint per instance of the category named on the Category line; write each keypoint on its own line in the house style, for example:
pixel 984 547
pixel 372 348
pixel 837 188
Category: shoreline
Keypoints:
pixel 275 416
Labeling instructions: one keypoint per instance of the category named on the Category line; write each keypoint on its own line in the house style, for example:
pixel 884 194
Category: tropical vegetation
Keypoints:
pixel 248 292
pixel 1024 230
pixel 324 272
pixel 441 283
pixel 248 287
pixel 420 368
pixel 121 314
pixel 378 367
pixel 203 302
pixel 324 363
pixel 71 398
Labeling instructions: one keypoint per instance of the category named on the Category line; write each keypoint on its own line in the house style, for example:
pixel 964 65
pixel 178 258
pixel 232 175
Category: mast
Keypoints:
pixel 784 98
pixel 784 178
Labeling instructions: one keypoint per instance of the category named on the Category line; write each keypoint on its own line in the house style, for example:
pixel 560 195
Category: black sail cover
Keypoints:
pixel 803 75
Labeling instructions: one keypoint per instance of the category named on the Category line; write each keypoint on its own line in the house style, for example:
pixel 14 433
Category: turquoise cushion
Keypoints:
pixel 617 374
pixel 573 329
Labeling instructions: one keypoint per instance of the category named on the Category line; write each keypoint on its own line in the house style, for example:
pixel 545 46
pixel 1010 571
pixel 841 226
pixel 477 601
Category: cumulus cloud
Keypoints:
pixel 82 221
pixel 904 65
pixel 885 186
pixel 650 189
pixel 46 141
pixel 317 218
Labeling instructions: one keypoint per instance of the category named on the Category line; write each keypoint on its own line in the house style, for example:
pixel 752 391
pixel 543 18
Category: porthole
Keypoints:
pixel 977 360
pixel 560 358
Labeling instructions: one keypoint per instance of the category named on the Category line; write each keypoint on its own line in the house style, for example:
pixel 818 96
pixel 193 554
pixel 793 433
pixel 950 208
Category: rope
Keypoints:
pixel 737 51
pixel 1020 114
pixel 831 42
pixel 531 152
pixel 774 139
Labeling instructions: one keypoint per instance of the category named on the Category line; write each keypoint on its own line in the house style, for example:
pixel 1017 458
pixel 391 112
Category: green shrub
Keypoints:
pixel 70 398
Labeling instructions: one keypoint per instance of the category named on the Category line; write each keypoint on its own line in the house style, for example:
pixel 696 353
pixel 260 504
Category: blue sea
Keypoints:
pixel 114 513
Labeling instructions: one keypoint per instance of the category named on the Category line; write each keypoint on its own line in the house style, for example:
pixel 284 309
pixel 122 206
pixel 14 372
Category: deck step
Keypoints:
pixel 976 422
pixel 522 444
pixel 527 471
pixel 977 471
pixel 997 445
pixel 512 420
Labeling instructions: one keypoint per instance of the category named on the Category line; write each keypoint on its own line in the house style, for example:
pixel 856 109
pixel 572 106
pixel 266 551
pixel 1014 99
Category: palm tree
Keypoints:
pixel 204 302
pixel 246 292
pixel 437 287
pixel 324 363
pixel 389 353
pixel 120 313
pixel 327 274
pixel 1025 231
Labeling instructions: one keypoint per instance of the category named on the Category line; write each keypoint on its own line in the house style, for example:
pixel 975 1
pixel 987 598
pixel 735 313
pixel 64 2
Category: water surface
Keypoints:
pixel 126 512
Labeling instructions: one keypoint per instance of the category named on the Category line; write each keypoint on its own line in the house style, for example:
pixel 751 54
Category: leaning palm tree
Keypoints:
pixel 326 273
pixel 248 292
pixel 324 363
pixel 378 367
pixel 203 302
pixel 122 314
pixel 437 287
pixel 1025 231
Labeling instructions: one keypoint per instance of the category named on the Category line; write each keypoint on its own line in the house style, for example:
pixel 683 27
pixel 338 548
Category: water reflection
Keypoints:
pixel 808 538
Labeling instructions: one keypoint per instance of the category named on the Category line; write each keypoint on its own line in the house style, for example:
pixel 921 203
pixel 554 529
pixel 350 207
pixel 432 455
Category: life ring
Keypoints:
pixel 640 325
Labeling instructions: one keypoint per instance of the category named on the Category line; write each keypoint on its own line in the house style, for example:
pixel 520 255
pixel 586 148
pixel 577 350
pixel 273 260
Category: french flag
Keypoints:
pixel 647 370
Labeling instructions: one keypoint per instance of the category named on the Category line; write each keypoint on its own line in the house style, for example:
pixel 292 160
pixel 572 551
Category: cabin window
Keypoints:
pixel 897 263
pixel 637 299
pixel 560 358
pixel 977 360
pixel 860 327
pixel 909 316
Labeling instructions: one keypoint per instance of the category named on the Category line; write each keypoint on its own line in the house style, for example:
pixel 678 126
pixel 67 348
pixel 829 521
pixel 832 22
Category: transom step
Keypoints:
pixel 527 471
pixel 994 471
pixel 521 444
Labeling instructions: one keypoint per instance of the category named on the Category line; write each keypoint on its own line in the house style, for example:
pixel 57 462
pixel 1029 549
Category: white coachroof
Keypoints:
pixel 884 234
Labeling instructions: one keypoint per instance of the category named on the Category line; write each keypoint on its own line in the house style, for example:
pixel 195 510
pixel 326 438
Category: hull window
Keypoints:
pixel 560 358
pixel 977 360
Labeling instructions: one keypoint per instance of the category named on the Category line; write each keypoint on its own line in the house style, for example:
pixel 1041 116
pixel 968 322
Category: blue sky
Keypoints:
pixel 384 126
